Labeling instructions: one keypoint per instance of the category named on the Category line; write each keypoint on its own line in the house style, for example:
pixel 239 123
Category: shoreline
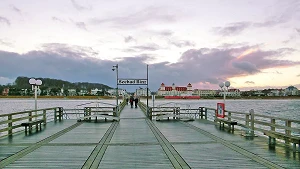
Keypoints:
pixel 157 98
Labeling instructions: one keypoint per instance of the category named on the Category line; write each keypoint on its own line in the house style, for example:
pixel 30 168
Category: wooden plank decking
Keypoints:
pixel 137 142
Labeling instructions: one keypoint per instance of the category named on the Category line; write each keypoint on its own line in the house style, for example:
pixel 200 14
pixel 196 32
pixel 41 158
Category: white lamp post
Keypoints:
pixel 35 83
pixel 224 87
pixel 116 67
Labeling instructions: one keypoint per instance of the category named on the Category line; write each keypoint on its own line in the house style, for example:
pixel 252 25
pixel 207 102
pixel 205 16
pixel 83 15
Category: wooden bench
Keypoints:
pixel 224 121
pixel 29 124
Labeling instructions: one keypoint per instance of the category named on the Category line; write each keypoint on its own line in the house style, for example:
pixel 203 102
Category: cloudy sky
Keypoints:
pixel 251 43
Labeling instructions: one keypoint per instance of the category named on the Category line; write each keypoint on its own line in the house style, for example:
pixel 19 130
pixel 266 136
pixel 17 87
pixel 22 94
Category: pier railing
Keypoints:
pixel 11 123
pixel 250 124
pixel 86 110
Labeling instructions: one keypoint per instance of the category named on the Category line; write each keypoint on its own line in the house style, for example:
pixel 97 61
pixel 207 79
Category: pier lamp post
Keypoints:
pixel 224 87
pixel 35 83
pixel 116 67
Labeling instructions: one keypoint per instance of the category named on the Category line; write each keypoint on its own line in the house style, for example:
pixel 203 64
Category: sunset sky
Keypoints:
pixel 254 44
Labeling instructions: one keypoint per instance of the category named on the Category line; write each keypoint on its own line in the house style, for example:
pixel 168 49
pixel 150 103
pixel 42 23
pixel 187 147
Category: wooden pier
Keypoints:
pixel 135 141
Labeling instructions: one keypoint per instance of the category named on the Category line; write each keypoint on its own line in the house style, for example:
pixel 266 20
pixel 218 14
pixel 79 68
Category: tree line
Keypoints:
pixel 21 84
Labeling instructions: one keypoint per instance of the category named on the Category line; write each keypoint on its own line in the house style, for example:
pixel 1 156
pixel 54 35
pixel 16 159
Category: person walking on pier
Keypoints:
pixel 136 100
pixel 131 101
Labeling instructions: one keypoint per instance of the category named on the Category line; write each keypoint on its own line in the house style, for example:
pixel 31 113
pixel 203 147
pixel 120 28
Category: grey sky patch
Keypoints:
pixel 79 7
pixel 15 9
pixel 147 15
pixel 56 19
pixel 233 45
pixel 6 43
pixel 69 50
pixel 248 67
pixel 298 75
pixel 146 47
pixel 81 25
pixel 182 43
pixel 4 20
pixel 298 30
pixel 128 39
pixel 232 28
pixel 250 82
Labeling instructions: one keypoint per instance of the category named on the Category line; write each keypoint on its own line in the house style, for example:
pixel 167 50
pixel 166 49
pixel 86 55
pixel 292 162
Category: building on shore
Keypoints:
pixel 291 91
pixel 204 93
pixel 231 93
pixel 175 90
pixel 142 92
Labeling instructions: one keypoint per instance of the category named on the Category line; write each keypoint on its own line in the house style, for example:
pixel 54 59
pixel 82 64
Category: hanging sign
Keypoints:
pixel 132 81
pixel 221 110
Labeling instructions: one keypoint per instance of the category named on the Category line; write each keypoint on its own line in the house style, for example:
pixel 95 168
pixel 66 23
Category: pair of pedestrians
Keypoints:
pixel 134 100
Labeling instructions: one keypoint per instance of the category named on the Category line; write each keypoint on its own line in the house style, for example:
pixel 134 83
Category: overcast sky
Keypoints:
pixel 251 43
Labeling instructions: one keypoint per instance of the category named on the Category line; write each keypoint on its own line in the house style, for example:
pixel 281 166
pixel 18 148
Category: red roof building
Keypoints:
pixel 175 90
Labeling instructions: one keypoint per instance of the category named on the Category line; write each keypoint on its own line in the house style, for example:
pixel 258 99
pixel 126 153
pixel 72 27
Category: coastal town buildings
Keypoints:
pixel 142 92
pixel 231 93
pixel 204 93
pixel 291 91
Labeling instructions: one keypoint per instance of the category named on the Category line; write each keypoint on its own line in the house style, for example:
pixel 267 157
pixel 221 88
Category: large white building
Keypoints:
pixel 231 92
pixel 175 90
pixel 142 92
pixel 291 91
pixel 200 92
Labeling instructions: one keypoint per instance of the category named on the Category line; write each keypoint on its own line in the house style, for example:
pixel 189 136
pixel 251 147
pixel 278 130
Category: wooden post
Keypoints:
pixel 10 125
pixel 60 113
pixel 90 113
pixel 174 112
pixel 201 112
pixel 247 120
pixel 114 111
pixel 30 116
pixel 55 114
pixel 288 123
pixel 229 119
pixel 271 139
pixel 205 113
pixel 44 117
pixel 150 113
pixel 252 122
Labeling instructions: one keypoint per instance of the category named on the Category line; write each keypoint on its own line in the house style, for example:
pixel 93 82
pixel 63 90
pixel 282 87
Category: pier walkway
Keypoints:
pixel 137 142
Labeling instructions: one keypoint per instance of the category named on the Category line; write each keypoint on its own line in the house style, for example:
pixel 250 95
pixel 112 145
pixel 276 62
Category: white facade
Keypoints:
pixel 200 92
pixel 121 92
pixel 175 90
pixel 142 92
pixel 291 91
pixel 95 91
pixel 72 92
pixel 231 92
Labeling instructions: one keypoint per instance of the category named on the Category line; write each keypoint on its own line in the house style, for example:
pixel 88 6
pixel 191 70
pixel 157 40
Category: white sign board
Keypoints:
pixel 132 81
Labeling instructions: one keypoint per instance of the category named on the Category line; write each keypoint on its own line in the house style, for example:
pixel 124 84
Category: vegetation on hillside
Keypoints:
pixel 54 85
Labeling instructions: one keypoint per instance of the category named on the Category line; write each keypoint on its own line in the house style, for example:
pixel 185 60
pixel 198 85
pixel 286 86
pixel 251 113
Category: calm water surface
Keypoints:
pixel 278 108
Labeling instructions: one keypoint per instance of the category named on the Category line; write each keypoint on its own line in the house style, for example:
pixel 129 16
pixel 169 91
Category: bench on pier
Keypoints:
pixel 288 139
pixel 104 116
pixel 175 116
pixel 37 123
pixel 230 123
